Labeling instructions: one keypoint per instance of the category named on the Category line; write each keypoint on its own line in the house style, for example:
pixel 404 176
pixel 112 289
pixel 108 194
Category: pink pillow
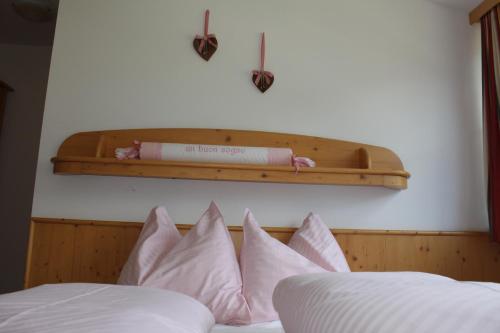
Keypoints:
pixel 315 241
pixel 158 236
pixel 204 266
pixel 264 262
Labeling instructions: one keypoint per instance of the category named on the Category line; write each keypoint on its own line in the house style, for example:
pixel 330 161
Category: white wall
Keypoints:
pixel 26 69
pixel 400 74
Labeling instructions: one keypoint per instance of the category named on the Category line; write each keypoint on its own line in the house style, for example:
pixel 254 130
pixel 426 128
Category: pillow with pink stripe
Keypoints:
pixel 315 241
pixel 158 236
pixel 203 265
pixel 264 262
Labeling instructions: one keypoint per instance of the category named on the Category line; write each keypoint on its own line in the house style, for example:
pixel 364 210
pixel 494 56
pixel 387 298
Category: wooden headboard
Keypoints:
pixel 94 251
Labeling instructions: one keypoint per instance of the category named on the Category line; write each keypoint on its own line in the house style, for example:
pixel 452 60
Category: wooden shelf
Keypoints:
pixel 338 162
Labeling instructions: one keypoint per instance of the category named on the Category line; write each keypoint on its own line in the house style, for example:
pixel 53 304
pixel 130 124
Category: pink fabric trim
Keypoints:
pixel 129 153
pixel 279 156
pixel 299 162
pixel 302 162
pixel 150 151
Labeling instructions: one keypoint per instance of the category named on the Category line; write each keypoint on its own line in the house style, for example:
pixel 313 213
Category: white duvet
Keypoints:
pixel 392 302
pixel 92 308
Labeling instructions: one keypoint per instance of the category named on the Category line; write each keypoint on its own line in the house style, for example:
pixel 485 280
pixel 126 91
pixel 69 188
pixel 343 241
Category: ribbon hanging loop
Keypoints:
pixel 261 78
pixel 207 44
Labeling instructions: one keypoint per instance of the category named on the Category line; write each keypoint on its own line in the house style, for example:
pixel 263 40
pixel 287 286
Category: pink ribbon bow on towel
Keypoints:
pixel 299 162
pixel 129 153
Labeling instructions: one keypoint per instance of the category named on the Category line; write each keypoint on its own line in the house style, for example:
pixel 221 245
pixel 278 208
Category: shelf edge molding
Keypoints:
pixel 338 162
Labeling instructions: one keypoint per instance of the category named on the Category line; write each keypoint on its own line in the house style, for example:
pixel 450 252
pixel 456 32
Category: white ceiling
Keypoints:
pixel 462 4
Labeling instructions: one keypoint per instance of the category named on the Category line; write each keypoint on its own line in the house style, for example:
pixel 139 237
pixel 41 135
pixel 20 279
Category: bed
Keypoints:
pixel 85 307
pixel 94 252
pixel 396 302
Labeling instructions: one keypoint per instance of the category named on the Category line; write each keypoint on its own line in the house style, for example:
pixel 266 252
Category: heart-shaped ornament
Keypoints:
pixel 261 78
pixel 205 45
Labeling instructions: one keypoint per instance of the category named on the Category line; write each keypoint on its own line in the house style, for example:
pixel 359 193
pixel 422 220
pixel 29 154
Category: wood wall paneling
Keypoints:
pixel 95 251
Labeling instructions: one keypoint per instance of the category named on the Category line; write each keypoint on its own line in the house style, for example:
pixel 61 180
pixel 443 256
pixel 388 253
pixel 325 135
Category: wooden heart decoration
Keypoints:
pixel 261 78
pixel 205 47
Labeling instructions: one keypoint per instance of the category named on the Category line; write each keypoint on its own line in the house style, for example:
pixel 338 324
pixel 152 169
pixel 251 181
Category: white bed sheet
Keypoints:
pixel 270 327
pixel 92 308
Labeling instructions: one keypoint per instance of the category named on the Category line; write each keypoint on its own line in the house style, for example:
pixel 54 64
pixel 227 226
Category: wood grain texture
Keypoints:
pixel 338 162
pixel 482 9
pixel 94 251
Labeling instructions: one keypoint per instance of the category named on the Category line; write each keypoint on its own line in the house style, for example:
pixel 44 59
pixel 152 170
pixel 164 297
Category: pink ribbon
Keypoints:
pixel 299 162
pixel 206 36
pixel 261 73
pixel 129 153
